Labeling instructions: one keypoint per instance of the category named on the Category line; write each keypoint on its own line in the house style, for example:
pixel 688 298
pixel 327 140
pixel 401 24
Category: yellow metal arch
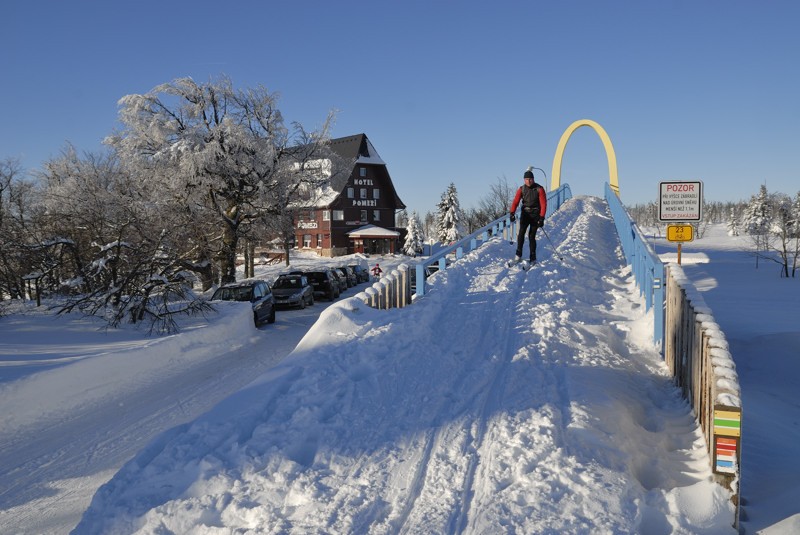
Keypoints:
pixel 610 155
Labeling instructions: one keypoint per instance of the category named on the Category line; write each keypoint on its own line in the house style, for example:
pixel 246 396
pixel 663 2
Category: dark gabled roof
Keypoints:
pixel 351 147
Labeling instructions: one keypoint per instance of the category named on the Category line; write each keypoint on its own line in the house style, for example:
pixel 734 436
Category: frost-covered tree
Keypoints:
pixel 733 222
pixel 115 249
pixel 15 207
pixel 227 150
pixel 794 232
pixel 782 229
pixel 757 221
pixel 758 213
pixel 449 218
pixel 415 239
pixel 401 218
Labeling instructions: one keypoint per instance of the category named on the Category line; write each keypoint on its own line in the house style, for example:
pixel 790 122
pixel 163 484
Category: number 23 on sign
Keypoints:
pixel 680 233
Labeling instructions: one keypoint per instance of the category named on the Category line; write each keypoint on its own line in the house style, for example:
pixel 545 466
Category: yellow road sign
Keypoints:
pixel 680 233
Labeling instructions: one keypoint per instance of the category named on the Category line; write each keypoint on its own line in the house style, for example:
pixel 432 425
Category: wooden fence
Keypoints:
pixel 392 290
pixel 696 352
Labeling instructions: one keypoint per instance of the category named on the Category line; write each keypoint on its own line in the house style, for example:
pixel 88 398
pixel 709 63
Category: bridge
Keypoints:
pixel 684 331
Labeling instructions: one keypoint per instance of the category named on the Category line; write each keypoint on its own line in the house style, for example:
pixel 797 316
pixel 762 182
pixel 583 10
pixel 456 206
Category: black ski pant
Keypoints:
pixel 527 222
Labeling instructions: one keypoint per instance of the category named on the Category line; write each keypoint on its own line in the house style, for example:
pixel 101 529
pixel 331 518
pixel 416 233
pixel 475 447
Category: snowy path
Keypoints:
pixel 67 430
pixel 502 402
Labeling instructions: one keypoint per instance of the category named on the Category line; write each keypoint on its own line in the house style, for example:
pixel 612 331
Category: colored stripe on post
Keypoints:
pixel 727 423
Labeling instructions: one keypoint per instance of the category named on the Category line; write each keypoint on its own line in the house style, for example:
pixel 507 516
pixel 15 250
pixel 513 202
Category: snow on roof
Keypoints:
pixel 373 155
pixel 372 231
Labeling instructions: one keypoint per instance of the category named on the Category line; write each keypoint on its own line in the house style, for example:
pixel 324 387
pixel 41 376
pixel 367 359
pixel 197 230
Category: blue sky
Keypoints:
pixel 462 92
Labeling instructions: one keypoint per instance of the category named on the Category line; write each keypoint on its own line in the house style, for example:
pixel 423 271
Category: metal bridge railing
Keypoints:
pixel 647 266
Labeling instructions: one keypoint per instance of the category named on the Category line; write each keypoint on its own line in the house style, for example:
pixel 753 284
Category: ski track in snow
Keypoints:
pixel 493 421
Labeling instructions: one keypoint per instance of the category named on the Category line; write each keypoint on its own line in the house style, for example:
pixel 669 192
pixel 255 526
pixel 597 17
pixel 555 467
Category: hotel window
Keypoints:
pixel 319 241
pixel 326 215
pixel 363 193
pixel 362 171
pixel 363 216
pixel 338 215
pixel 306 240
pixel 376 193
pixel 376 215
pixel 351 192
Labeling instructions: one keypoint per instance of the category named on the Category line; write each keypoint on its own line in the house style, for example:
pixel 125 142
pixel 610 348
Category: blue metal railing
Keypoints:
pixel 439 260
pixel 647 267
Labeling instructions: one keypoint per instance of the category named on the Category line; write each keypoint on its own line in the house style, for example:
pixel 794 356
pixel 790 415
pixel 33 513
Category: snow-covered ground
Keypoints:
pixel 502 402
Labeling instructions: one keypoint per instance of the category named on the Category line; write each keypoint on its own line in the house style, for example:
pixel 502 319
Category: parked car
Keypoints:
pixel 341 279
pixel 293 290
pixel 349 276
pixel 324 283
pixel 257 292
pixel 361 273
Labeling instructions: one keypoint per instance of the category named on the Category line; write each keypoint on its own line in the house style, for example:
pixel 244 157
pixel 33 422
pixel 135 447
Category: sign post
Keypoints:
pixel 679 202
pixel 680 234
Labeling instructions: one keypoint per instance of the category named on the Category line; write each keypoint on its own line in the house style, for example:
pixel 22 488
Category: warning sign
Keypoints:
pixel 680 201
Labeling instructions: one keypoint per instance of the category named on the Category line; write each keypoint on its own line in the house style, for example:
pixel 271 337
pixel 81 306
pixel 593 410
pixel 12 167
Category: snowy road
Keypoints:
pixel 68 429
pixel 503 402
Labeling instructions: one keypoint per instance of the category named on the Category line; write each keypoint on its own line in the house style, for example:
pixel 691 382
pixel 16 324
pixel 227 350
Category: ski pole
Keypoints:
pixel 551 244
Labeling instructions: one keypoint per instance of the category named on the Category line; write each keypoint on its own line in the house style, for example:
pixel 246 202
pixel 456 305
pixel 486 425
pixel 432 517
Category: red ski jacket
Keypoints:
pixel 533 200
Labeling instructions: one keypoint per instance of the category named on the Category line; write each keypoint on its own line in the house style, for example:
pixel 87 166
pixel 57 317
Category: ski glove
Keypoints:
pixel 513 217
pixel 540 222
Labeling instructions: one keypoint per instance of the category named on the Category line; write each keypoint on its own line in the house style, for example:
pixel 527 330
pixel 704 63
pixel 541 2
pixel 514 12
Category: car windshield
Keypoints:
pixel 242 293
pixel 286 282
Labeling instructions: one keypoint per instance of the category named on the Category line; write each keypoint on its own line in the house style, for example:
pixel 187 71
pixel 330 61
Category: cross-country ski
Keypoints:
pixel 522 264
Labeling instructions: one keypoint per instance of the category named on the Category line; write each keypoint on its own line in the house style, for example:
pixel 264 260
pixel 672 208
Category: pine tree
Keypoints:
pixel 414 236
pixel 795 216
pixel 758 214
pixel 757 220
pixel 449 218
pixel 733 223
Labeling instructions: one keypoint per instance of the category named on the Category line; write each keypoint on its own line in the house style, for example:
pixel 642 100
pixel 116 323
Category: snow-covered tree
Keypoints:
pixel 771 222
pixel 15 204
pixel 733 222
pixel 114 249
pixel 415 239
pixel 782 230
pixel 757 221
pixel 758 213
pixel 449 218
pixel 794 232
pixel 228 150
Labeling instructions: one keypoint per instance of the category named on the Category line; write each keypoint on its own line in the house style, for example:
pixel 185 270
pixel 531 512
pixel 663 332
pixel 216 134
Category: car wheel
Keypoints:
pixel 302 304
pixel 331 295
pixel 255 319
pixel 311 300
pixel 271 318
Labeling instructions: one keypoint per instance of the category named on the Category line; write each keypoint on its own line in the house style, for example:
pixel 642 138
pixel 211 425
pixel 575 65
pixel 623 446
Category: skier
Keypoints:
pixel 376 271
pixel 534 207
